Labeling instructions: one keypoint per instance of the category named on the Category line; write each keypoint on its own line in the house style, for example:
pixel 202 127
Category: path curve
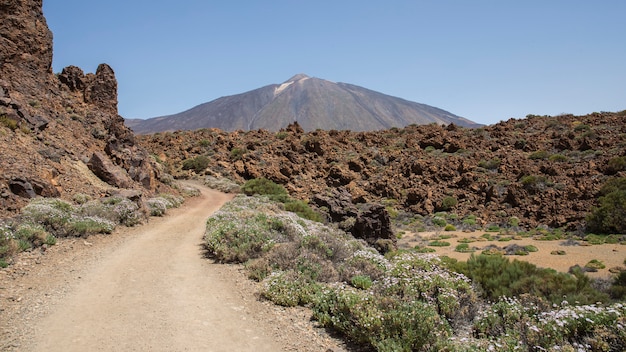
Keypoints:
pixel 156 292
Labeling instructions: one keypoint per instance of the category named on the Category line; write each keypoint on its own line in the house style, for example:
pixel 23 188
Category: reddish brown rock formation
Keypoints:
pixel 543 170
pixel 51 126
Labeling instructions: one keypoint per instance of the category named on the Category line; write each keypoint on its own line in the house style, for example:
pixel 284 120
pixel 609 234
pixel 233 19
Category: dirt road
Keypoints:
pixel 153 290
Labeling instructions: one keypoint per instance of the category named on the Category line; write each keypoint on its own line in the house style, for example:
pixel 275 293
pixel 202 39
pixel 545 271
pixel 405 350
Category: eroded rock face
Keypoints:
pixel 51 125
pixel 25 45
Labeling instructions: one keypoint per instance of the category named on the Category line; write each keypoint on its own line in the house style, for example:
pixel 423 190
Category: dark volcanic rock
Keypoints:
pixel 374 226
pixel 22 188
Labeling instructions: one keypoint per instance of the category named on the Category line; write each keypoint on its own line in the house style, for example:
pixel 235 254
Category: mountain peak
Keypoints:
pixel 298 77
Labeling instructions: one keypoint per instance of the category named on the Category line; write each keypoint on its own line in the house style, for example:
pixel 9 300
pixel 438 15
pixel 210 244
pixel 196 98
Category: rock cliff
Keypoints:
pixel 53 127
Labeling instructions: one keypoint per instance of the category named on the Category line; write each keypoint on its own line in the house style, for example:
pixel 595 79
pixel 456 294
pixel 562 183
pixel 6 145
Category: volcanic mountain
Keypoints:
pixel 314 103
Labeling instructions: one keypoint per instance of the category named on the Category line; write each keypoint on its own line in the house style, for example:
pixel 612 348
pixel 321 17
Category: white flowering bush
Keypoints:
pixel 387 324
pixel 404 301
pixel 222 184
pixel 566 327
pixel 157 206
pixel 239 236
pixel 289 288
pixel 7 243
pixel 171 201
pixel 124 211
pixel 366 262
pixel 61 218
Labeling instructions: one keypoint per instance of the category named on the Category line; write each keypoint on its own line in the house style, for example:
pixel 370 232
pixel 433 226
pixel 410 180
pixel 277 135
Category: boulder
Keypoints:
pixel 338 202
pixel 22 187
pixel 374 226
pixel 108 172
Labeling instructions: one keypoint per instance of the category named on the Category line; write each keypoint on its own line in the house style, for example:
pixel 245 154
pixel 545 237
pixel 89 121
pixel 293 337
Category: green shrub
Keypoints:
pixel 617 164
pixel 90 225
pixel 439 243
pixel 539 155
pixel 81 198
pixel 197 164
pixel 595 264
pixel 450 227
pixel 531 248
pixel 412 309
pixel 492 228
pixel 303 210
pixel 463 248
pixel 439 221
pixel 609 216
pixel 233 239
pixel 582 127
pixel 362 282
pixel 419 249
pixel 497 276
pixel 469 220
pixel 560 158
pixel 492 164
pixel 618 286
pixel 263 186
pixel 534 183
pixel 237 154
pixel 289 288
pixel 448 203
pixel 156 206
pixel 8 122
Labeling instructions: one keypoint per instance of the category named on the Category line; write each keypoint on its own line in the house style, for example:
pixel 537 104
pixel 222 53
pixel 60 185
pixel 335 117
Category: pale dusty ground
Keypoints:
pixel 148 288
pixel 612 255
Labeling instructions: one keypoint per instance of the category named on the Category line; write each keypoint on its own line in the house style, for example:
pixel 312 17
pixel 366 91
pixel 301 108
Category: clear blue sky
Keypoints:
pixel 483 60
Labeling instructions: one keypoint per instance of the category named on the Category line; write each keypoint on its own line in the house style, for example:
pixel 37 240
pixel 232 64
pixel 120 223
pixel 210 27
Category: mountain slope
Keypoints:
pixel 314 103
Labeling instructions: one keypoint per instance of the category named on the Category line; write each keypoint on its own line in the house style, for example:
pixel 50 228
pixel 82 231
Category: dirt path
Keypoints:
pixel 151 290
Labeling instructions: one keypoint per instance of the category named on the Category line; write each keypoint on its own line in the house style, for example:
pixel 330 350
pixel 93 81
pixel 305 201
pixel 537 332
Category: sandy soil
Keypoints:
pixel 148 288
pixel 612 255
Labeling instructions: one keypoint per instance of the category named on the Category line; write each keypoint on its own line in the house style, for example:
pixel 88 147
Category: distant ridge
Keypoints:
pixel 314 103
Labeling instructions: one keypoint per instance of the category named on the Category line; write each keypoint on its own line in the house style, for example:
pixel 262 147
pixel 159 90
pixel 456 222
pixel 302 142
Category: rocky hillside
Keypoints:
pixel 59 134
pixel 314 103
pixel 543 170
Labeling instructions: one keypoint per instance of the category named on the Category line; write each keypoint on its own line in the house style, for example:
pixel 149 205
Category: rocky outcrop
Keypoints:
pixel 25 46
pixel 374 226
pixel 50 126
pixel 542 170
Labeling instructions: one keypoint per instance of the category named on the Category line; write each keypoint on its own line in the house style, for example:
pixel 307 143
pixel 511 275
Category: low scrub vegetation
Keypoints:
pixel 413 301
pixel 278 193
pixel 44 220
